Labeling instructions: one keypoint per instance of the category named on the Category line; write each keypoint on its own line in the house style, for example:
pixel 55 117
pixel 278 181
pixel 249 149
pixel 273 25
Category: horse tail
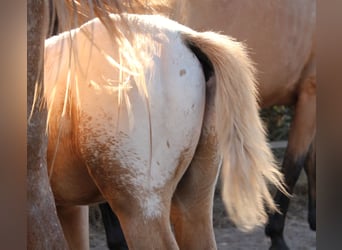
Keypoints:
pixel 248 163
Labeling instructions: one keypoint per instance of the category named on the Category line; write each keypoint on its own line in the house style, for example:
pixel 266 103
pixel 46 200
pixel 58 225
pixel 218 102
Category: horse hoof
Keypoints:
pixel 312 220
pixel 119 248
pixel 278 244
pixel 279 247
pixel 312 224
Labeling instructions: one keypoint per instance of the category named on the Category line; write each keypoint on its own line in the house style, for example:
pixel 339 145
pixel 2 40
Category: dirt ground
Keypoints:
pixel 297 232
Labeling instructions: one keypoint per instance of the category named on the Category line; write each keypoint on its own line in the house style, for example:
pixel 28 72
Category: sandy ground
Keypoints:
pixel 297 232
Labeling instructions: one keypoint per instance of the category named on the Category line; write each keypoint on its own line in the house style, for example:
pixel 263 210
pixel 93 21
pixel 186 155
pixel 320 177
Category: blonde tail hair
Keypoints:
pixel 248 163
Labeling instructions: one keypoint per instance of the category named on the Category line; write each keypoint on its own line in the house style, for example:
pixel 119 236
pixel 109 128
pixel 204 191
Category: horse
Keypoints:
pixel 281 39
pixel 150 136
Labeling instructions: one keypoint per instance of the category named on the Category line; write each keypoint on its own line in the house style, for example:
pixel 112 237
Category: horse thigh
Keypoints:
pixel 302 133
pixel 192 203
pixel 141 232
pixel 74 220
pixel 143 211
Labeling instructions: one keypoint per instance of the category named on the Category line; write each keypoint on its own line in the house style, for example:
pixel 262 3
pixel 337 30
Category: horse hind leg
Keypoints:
pixel 145 232
pixel 114 234
pixel 192 203
pixel 310 170
pixel 144 214
pixel 302 132
pixel 74 221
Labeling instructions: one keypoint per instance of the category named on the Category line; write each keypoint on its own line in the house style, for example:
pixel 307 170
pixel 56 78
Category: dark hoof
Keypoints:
pixel 278 244
pixel 312 220
pixel 119 248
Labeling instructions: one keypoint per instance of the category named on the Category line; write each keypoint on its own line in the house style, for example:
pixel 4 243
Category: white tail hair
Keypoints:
pixel 248 163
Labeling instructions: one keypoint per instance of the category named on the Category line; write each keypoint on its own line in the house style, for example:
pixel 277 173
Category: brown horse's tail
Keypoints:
pixel 248 163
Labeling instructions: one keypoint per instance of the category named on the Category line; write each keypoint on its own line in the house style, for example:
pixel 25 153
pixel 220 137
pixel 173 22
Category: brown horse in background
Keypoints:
pixel 281 39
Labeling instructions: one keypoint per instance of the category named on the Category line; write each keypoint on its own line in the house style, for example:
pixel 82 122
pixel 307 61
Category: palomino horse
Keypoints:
pixel 280 35
pixel 153 151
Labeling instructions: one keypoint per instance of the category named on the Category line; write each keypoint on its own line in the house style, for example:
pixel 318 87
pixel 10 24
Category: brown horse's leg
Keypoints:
pixel 301 136
pixel 74 220
pixel 192 204
pixel 144 213
pixel 310 170
pixel 114 234
pixel 142 231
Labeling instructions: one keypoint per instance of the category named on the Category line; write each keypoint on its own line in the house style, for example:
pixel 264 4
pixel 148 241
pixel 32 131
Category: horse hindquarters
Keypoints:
pixel 137 171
